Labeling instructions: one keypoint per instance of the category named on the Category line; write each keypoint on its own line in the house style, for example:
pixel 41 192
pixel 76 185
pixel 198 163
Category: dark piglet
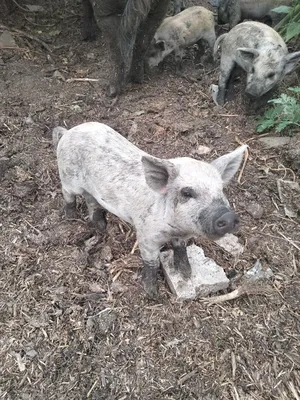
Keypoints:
pixel 128 27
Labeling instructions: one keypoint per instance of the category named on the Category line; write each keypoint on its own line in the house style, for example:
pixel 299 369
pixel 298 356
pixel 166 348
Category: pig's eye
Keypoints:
pixel 188 193
pixel 271 75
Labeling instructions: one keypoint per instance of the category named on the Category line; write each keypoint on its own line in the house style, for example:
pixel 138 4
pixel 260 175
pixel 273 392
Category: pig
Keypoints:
pixel 128 27
pixel 166 200
pixel 180 31
pixel 179 5
pixel 234 11
pixel 260 51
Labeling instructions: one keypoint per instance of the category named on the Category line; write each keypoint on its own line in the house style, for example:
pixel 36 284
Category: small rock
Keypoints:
pixel 104 321
pixel 76 107
pixel 90 56
pixel 58 75
pixel 207 277
pixel 28 120
pixel 25 189
pixel 274 141
pixel 7 40
pixel 31 353
pixel 118 287
pixel 138 113
pixel 159 131
pixel 289 194
pixel 90 243
pixel 230 243
pixel 255 210
pixel 35 8
pixel 203 150
pixel 258 272
pixel 183 128
pixel 106 254
pixel 214 90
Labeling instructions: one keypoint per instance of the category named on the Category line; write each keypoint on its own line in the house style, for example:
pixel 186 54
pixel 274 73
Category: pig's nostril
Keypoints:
pixel 228 222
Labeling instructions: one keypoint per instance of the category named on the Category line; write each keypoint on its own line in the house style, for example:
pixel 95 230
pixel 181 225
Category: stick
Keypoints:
pixel 28 36
pixel 82 80
pixel 134 247
pixel 245 160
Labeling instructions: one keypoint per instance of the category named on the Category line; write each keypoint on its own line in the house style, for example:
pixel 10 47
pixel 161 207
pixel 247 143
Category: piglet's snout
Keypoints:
pixel 228 222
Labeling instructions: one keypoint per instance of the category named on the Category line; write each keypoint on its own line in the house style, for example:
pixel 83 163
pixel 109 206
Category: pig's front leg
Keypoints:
pixel 181 261
pixel 226 67
pixel 150 256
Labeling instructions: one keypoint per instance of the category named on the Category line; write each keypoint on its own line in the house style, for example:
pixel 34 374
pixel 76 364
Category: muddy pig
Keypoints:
pixel 128 27
pixel 260 51
pixel 234 11
pixel 164 199
pixel 192 25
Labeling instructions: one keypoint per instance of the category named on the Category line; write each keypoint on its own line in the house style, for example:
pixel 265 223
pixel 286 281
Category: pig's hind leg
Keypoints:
pixel 70 204
pixel 145 34
pixel 88 28
pixel 97 214
pixel 181 261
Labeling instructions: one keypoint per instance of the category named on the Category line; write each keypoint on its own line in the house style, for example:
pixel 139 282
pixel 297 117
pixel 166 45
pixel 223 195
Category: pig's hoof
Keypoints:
pixel 149 279
pixel 151 289
pixel 71 213
pixel 113 91
pixel 99 220
pixel 88 35
pixel 136 75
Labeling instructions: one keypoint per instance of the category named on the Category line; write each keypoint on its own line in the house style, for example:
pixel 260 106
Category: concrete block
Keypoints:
pixel 207 277
pixel 231 244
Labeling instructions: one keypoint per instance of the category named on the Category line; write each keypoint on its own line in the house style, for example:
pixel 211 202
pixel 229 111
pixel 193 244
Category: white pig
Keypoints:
pixel 165 200
pixel 260 51
pixel 183 30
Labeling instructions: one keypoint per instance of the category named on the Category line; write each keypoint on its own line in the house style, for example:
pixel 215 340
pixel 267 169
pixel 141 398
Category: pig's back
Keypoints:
pixel 260 8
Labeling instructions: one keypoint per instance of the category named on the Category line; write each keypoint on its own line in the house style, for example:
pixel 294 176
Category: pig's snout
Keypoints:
pixel 228 222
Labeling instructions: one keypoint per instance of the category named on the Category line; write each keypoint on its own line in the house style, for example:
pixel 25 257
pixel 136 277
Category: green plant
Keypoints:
pixel 289 26
pixel 284 113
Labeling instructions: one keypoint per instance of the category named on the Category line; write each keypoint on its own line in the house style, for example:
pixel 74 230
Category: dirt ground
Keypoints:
pixel 74 320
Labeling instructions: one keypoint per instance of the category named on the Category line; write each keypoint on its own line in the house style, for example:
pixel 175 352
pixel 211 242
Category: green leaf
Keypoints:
pixel 264 124
pixel 292 30
pixel 282 125
pixel 282 9
pixel 295 89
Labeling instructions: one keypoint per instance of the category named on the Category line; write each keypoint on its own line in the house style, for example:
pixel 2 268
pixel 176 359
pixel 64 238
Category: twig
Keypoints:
pixel 240 291
pixel 228 115
pixel 92 388
pixel 82 80
pixel 28 36
pixel 134 247
pixel 289 240
pixel 186 377
pixel 245 160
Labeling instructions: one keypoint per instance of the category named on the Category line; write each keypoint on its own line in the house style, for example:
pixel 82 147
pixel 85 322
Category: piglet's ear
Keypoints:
pixel 245 57
pixel 290 62
pixel 158 173
pixel 229 164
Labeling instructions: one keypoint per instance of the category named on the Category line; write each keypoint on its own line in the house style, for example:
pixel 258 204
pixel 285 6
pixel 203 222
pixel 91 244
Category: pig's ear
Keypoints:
pixel 228 164
pixel 291 61
pixel 245 57
pixel 160 44
pixel 158 173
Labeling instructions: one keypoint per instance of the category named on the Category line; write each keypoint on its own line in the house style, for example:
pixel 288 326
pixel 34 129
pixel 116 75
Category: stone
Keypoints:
pixel 203 150
pixel 258 272
pixel 207 277
pixel 289 194
pixel 275 141
pixel 7 40
pixel 214 90
pixel 230 243
pixel 255 210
